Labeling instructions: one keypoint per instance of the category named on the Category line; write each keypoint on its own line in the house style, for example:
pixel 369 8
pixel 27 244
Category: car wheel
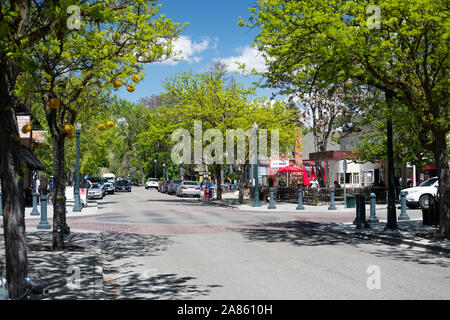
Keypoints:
pixel 424 201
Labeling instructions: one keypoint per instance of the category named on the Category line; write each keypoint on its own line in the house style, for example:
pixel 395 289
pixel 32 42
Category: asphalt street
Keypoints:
pixel 164 247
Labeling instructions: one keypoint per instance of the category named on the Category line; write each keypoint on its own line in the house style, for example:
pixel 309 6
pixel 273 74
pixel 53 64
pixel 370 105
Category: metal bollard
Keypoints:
pixel 332 206
pixel 35 211
pixel 403 215
pixel 43 224
pixel 373 216
pixel 300 200
pixel 272 202
pixel 360 220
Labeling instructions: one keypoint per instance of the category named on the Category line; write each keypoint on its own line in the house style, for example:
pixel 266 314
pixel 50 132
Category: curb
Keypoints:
pixel 390 240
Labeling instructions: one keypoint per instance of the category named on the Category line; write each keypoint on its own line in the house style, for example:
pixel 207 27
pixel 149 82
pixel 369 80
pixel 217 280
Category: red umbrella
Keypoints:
pixel 289 169
pixel 313 174
pixel 305 178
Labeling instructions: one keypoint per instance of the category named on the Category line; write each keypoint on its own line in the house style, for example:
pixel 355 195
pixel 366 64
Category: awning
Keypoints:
pixel 332 155
pixel 28 157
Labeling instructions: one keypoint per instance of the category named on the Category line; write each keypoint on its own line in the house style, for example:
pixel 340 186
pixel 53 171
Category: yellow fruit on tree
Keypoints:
pixel 68 128
pixel 101 127
pixel 110 124
pixel 26 128
pixel 135 78
pixel 117 83
pixel 130 87
pixel 54 103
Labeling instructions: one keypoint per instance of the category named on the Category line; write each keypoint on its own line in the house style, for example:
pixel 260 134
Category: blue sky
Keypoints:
pixel 213 34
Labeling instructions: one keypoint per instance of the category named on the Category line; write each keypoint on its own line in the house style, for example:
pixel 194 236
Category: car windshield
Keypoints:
pixel 95 186
pixel 152 180
pixel 189 183
pixel 123 183
pixel 428 182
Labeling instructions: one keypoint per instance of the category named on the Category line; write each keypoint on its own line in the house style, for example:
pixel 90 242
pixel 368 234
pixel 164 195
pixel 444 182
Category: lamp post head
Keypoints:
pixel 78 126
pixel 255 126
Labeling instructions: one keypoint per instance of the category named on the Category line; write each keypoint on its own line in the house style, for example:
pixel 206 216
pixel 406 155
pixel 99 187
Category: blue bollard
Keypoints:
pixel 35 211
pixel 332 205
pixel 360 220
pixel 43 224
pixel 300 200
pixel 373 217
pixel 403 215
pixel 272 202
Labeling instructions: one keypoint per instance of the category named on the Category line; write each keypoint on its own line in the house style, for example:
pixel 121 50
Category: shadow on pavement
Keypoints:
pixel 128 275
pixel 301 233
pixel 104 266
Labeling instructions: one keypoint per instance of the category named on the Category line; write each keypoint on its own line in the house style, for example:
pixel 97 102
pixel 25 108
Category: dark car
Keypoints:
pixel 172 189
pixel 134 182
pixel 123 185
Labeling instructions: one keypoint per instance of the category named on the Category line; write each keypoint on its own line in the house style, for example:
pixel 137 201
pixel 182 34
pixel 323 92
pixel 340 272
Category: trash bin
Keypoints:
pixel 350 200
pixel 430 216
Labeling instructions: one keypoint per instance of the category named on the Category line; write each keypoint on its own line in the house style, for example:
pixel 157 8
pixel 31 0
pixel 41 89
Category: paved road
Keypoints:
pixel 164 247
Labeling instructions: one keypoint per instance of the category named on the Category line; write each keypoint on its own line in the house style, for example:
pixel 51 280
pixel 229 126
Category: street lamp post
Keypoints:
pixel 77 207
pixel 156 161
pixel 255 173
pixel 391 213
pixel 164 172
pixel 344 166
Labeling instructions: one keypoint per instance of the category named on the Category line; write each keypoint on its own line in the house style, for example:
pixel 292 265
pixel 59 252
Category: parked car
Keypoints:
pixel 109 187
pixel 123 185
pixel 188 188
pixel 164 186
pixel 134 182
pixel 418 196
pixel 173 185
pixel 96 192
pixel 151 183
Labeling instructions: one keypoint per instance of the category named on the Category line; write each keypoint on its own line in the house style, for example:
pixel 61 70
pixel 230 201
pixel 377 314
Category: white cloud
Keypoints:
pixel 251 57
pixel 187 50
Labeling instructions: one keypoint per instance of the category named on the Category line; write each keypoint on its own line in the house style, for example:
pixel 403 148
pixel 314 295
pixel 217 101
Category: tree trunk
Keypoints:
pixel 59 201
pixel 11 176
pixel 219 171
pixel 441 159
pixel 241 183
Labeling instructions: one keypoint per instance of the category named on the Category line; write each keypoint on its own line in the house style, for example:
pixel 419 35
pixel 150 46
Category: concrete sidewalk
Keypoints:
pixel 91 209
pixel 412 233
pixel 73 274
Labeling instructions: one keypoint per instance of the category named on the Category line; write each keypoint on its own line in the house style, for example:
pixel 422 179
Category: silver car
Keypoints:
pixel 188 188
pixel 96 192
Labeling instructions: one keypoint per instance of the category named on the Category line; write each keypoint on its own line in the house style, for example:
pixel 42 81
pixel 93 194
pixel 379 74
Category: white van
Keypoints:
pixel 110 177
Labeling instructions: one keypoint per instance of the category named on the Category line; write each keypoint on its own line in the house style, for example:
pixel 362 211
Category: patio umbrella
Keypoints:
pixel 289 169
pixel 313 174
pixel 305 178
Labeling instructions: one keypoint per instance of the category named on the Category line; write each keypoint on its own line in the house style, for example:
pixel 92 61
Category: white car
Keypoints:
pixel 152 183
pixel 418 196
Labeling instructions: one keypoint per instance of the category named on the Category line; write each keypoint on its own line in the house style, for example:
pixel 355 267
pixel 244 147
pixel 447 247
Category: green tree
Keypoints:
pixel 22 24
pixel 403 53
pixel 78 66
pixel 220 103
